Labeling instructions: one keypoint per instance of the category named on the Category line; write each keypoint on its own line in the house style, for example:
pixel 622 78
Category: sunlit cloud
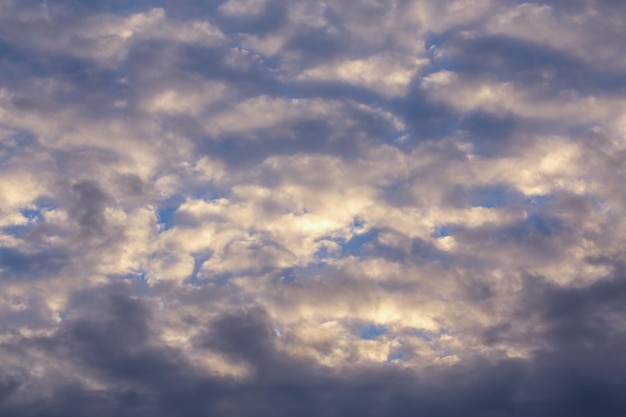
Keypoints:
pixel 304 208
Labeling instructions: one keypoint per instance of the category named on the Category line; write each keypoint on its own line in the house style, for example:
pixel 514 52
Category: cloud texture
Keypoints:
pixel 276 208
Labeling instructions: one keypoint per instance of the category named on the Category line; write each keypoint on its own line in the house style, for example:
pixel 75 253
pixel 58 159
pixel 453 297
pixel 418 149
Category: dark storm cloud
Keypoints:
pixel 109 333
pixel 578 367
pixel 574 316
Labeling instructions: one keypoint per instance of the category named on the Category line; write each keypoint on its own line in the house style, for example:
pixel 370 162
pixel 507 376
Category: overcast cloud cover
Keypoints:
pixel 299 208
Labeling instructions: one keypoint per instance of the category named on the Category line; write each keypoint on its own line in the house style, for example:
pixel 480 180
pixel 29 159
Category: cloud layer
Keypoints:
pixel 271 207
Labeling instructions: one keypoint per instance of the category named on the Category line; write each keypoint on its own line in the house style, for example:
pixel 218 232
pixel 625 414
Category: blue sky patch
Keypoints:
pixel 547 226
pixel 442 231
pixel 167 211
pixel 373 331
pixel 354 246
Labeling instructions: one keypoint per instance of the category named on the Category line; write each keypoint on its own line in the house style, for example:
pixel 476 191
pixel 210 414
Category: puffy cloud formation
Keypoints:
pixel 279 208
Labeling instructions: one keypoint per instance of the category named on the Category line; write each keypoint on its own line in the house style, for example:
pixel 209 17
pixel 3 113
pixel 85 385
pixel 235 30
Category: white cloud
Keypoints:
pixel 242 7
pixel 386 74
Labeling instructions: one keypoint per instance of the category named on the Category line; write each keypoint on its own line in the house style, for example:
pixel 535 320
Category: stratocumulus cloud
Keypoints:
pixel 276 208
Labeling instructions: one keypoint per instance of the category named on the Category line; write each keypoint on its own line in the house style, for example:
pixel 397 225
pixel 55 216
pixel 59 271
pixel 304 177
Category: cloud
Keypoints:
pixel 118 346
pixel 280 208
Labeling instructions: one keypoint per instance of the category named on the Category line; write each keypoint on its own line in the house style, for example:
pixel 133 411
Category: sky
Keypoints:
pixel 279 208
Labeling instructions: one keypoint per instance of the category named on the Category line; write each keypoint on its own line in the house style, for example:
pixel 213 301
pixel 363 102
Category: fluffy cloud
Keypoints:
pixel 276 208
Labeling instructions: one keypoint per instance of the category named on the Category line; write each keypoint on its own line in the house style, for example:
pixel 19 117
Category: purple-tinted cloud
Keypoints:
pixel 278 207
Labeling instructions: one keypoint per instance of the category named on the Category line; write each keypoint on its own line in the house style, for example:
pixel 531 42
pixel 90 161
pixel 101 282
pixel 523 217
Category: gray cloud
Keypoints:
pixel 280 208
pixel 146 377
